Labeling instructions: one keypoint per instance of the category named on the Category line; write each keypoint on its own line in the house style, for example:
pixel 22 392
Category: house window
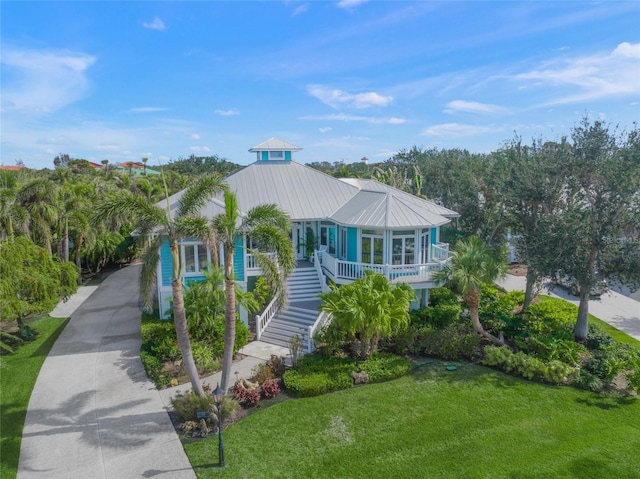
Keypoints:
pixel 403 247
pixel 276 155
pixel 372 246
pixel 194 258
pixel 424 246
pixel 328 237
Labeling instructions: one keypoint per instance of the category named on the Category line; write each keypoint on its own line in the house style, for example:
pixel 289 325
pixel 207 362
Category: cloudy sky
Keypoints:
pixel 342 79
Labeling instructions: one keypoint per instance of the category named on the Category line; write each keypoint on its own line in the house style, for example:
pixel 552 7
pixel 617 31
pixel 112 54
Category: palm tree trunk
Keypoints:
pixel 180 322
pixel 65 240
pixel 229 315
pixel 473 302
pixel 79 241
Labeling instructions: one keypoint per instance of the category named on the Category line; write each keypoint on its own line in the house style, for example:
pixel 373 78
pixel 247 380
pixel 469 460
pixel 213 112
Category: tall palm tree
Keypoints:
pixel 472 264
pixel 172 226
pixel 38 197
pixel 268 226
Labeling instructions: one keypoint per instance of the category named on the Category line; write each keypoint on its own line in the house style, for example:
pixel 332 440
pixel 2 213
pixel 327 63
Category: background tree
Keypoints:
pixel 472 264
pixel 268 226
pixel 532 189
pixel 171 226
pixel 365 311
pixel 593 239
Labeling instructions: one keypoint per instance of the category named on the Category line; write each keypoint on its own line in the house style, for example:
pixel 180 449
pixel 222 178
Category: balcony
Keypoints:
pixel 418 275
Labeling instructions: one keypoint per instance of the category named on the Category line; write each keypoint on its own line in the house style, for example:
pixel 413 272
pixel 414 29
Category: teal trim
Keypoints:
pixel 238 259
pixel 352 244
pixel 166 267
pixel 265 155
pixel 287 156
pixel 432 235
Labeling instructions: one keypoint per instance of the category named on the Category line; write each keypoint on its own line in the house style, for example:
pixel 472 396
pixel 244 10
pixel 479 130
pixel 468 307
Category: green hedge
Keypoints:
pixel 315 375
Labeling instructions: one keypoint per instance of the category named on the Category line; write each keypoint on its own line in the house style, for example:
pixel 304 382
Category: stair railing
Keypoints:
pixel 323 318
pixel 263 320
pixel 318 266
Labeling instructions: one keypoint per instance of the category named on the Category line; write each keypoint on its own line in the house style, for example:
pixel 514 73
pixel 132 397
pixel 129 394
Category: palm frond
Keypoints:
pixel 275 278
pixel 192 226
pixel 196 196
pixel 271 238
pixel 267 214
pixel 127 206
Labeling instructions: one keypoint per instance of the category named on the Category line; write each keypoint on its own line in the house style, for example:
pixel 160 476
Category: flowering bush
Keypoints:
pixel 270 389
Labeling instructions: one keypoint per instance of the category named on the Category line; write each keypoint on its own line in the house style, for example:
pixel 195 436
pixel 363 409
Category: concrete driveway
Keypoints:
pixel 93 413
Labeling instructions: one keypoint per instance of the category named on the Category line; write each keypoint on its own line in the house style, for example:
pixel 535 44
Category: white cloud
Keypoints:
pixel 300 9
pixel 195 136
pixel 199 149
pixel 347 118
pixel 594 77
pixel 156 24
pixel 350 4
pixel 473 107
pixel 43 81
pixel 147 109
pixel 457 130
pixel 336 98
pixel 226 112
pixel 325 129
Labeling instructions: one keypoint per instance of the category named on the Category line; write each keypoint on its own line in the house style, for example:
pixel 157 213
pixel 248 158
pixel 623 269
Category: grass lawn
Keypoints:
pixel 471 423
pixel 18 375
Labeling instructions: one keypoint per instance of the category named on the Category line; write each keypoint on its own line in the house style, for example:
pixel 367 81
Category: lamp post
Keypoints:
pixel 218 394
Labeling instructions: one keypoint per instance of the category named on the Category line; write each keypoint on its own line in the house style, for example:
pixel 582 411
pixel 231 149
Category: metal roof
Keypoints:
pixel 308 194
pixel 276 144
pixel 386 209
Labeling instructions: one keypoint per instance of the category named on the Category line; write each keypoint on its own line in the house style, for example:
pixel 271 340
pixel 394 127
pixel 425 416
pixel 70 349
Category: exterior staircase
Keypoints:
pixel 304 288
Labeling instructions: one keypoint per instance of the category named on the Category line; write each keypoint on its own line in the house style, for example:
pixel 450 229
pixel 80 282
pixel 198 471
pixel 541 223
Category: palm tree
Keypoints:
pixel 172 226
pixel 38 197
pixel 268 226
pixel 365 311
pixel 472 264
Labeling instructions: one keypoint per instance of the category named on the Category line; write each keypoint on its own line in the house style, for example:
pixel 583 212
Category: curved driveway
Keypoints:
pixel 93 413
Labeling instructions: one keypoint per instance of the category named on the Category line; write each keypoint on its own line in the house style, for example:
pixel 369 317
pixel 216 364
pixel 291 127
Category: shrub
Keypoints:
pixel 557 372
pixel 187 405
pixel 496 309
pixel 203 356
pixel 251 398
pixel 153 368
pixel 444 314
pixel 549 316
pixel 269 389
pixel 262 372
pixel 496 356
pixel 441 295
pixel 598 339
pixel 588 381
pixel 452 343
pixel 277 364
pixel 384 367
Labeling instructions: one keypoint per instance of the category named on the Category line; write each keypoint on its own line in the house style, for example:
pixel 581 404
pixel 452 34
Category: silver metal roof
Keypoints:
pixel 275 144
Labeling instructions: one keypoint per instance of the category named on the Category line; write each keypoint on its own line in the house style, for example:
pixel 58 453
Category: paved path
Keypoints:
pixel 93 413
pixel 620 311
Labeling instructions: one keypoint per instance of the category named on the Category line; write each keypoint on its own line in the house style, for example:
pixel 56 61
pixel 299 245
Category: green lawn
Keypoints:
pixel 18 375
pixel 471 423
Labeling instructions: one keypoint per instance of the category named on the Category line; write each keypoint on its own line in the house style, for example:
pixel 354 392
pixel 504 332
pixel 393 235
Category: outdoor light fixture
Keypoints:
pixel 218 394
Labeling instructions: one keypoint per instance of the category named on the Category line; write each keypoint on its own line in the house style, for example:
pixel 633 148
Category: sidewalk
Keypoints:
pixel 616 309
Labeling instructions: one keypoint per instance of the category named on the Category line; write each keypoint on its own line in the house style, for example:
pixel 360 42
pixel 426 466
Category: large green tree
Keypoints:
pixel 472 264
pixel 593 239
pixel 268 228
pixel 365 311
pixel 172 226
pixel 533 189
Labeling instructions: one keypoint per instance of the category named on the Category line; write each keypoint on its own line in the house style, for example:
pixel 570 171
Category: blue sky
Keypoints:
pixel 342 79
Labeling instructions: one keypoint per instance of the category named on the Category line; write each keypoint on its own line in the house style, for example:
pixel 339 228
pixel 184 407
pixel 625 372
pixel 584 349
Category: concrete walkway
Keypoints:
pixel 93 413
pixel 620 311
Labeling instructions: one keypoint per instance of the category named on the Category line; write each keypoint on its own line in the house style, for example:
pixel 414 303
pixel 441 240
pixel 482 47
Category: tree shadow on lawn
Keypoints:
pixel 605 402
pixel 45 347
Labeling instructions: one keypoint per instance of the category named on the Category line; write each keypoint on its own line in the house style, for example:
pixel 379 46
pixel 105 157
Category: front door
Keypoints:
pixel 297 238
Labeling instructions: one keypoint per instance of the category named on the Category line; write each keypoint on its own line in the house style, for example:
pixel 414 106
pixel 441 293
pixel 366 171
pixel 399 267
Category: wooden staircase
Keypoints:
pixel 304 289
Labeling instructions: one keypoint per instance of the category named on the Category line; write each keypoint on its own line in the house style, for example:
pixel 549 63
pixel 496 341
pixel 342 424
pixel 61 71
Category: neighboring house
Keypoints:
pixel 134 168
pixel 349 224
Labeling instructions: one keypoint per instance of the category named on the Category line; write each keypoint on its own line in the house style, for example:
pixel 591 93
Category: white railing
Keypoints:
pixel 318 266
pixel 253 264
pixel 323 318
pixel 440 251
pixel 350 270
pixel 263 320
